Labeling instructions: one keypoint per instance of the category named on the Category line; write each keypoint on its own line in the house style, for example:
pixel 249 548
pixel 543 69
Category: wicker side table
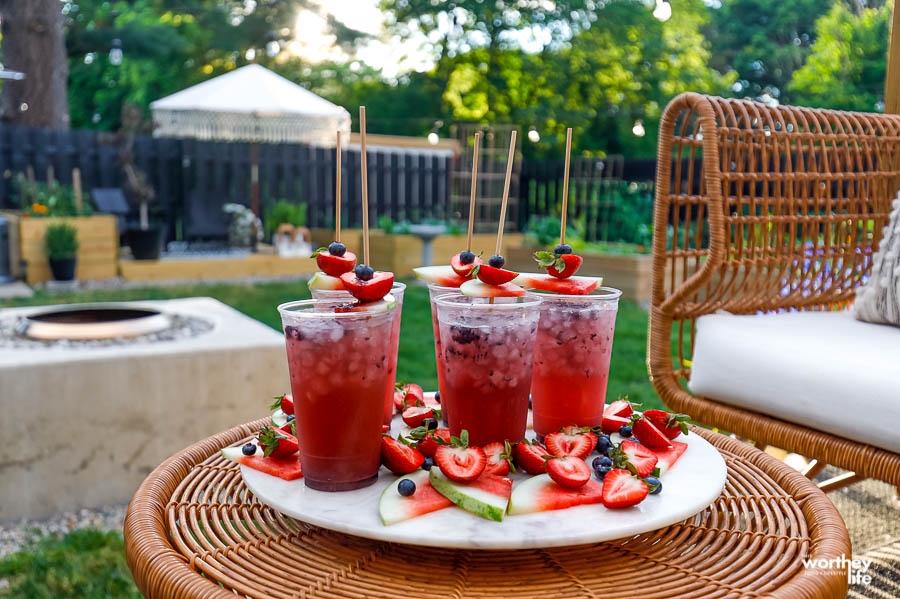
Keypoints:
pixel 194 530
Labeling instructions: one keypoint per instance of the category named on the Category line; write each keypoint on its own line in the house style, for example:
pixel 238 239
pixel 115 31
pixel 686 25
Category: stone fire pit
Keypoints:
pixel 84 421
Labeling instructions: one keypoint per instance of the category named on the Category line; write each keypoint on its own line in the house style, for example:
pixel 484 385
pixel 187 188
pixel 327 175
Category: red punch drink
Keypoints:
pixel 397 290
pixel 571 359
pixel 338 363
pixel 486 355
pixel 433 292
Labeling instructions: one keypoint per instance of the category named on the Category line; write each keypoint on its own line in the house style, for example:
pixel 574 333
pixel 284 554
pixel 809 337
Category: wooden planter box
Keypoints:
pixel 631 273
pixel 98 250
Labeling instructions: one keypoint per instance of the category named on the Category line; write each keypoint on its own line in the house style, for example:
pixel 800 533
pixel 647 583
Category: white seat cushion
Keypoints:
pixel 824 370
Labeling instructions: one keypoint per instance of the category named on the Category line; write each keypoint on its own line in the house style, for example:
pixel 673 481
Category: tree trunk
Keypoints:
pixel 34 43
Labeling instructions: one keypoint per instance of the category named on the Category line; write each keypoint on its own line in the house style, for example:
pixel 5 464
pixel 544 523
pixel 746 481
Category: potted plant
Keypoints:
pixel 61 247
pixel 244 228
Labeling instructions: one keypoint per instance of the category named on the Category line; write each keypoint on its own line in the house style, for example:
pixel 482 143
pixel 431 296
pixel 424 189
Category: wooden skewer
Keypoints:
pixel 565 203
pixel 474 186
pixel 365 184
pixel 509 165
pixel 337 190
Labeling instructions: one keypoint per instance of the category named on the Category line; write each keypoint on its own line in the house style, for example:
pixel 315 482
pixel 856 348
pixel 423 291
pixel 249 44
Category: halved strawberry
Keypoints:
pixel 649 435
pixel 570 263
pixel 398 457
pixel 368 291
pixel 499 458
pixel 277 443
pixel 574 430
pixel 289 428
pixel 529 456
pixel 495 276
pixel 285 403
pixel 671 425
pixel 620 407
pixel 570 443
pixel 415 415
pixel 429 441
pixel 458 461
pixel 611 424
pixel 569 472
pixel 464 270
pixel 407 396
pixel 332 265
pixel 622 489
pixel 642 458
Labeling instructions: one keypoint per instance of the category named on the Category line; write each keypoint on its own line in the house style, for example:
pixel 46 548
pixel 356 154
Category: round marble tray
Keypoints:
pixel 694 482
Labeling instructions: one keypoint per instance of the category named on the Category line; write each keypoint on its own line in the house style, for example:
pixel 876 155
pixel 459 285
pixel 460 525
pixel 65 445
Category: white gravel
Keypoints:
pixel 16 535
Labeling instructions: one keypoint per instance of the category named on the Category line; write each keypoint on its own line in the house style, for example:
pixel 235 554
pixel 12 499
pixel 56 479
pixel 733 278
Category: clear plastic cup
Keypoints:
pixel 571 359
pixel 397 291
pixel 338 362
pixel 486 355
pixel 433 292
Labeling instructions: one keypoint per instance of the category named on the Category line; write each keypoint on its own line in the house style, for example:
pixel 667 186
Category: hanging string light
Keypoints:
pixel 115 53
pixel 638 128
pixel 533 135
pixel 433 137
pixel 663 10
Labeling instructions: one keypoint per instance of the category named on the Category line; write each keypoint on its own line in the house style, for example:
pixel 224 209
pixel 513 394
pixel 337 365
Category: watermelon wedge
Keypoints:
pixel 486 496
pixel 394 507
pixel 284 468
pixel 570 286
pixel 476 288
pixel 320 280
pixel 668 457
pixel 540 494
pixel 439 275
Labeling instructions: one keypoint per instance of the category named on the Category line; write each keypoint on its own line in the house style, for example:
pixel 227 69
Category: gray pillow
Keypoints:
pixel 879 299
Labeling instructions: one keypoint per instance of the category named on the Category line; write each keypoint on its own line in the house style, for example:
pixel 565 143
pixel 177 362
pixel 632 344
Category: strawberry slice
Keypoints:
pixel 642 458
pixel 649 435
pixel 620 407
pixel 611 424
pixel 622 489
pixel 368 291
pixel 570 443
pixel 464 270
pixel 458 461
pixel 671 425
pixel 495 276
pixel 333 265
pixel 499 458
pixel 398 457
pixel 428 442
pixel 407 396
pixel 277 443
pixel 570 263
pixel 285 403
pixel 530 456
pixel 569 472
pixel 415 415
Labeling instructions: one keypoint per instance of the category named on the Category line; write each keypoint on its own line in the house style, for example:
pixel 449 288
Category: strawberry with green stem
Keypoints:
pixel 399 456
pixel 560 265
pixel 458 461
pixel 277 443
pixel 499 458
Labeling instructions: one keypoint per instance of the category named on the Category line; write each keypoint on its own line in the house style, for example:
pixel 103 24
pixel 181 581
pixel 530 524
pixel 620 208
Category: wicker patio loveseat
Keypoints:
pixel 766 221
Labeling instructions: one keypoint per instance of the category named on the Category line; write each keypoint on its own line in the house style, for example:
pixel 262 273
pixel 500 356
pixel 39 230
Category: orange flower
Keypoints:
pixel 39 208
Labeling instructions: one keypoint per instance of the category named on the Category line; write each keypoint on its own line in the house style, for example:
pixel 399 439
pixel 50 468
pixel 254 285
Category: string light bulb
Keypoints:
pixel 663 10
pixel 638 128
pixel 115 53
pixel 533 135
pixel 433 138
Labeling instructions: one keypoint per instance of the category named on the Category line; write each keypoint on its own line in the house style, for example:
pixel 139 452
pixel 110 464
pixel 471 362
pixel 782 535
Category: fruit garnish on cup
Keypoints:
pixel 464 262
pixel 561 262
pixel 367 284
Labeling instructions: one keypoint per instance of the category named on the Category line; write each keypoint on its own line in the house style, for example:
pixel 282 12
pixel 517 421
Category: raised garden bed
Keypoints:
pixel 98 240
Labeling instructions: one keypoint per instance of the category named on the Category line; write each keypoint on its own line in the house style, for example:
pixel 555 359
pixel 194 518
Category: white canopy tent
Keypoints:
pixel 250 104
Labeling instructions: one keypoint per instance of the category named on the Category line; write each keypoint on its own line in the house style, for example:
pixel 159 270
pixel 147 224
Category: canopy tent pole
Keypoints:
pixel 254 177
pixel 892 79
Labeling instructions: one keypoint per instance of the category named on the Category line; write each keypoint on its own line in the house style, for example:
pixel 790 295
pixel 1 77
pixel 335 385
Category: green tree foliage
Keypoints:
pixel 765 41
pixel 846 66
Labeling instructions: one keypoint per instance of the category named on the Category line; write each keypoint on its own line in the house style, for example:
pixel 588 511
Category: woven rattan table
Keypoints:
pixel 194 530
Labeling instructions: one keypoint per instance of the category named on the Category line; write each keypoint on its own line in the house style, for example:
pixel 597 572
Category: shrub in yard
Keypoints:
pixel 61 241
pixel 282 213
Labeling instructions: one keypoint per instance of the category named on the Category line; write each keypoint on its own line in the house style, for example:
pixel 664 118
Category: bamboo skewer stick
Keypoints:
pixel 365 184
pixel 337 190
pixel 565 199
pixel 474 187
pixel 509 165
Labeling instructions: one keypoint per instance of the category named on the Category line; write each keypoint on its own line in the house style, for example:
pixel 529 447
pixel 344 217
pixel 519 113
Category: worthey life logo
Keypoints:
pixel 856 569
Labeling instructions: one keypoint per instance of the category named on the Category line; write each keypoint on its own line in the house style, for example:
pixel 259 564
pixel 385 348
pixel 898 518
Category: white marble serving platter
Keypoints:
pixel 693 483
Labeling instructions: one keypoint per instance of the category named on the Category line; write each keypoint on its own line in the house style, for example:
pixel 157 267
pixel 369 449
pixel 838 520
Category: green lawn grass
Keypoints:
pixel 90 564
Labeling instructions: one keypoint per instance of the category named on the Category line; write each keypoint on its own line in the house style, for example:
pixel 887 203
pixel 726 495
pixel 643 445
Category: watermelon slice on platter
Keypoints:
pixel 439 275
pixel 284 468
pixel 574 285
pixel 394 507
pixel 486 496
pixel 668 457
pixel 540 494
